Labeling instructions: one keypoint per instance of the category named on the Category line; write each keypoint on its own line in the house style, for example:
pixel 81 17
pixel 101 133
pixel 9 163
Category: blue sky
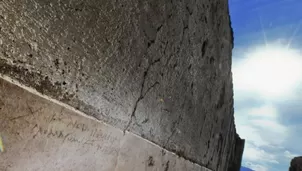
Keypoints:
pixel 267 73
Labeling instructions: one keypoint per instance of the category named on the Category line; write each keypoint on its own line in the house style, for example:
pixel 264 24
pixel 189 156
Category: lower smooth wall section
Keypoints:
pixel 39 134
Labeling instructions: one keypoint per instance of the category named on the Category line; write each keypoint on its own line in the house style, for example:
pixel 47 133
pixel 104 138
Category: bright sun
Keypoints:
pixel 271 71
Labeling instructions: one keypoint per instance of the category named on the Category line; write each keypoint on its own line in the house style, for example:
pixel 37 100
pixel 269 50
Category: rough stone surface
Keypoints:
pixel 296 164
pixel 159 69
pixel 43 136
pixel 236 156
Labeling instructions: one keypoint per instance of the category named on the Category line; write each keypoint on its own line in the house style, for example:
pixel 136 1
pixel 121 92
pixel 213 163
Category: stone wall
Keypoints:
pixel 296 164
pixel 159 69
pixel 237 154
pixel 39 134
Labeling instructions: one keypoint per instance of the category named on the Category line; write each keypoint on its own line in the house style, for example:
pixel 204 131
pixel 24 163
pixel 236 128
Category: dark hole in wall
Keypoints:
pixel 204 46
pixel 150 161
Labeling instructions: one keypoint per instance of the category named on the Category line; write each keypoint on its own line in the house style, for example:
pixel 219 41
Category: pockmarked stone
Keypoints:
pixel 160 70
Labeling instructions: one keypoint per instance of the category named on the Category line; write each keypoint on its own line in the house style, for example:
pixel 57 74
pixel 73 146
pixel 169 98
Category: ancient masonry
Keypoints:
pixel 117 85
pixel 296 164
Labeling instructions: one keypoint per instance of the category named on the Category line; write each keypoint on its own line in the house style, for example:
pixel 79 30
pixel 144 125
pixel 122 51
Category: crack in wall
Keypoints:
pixel 178 48
pixel 142 95
pixel 175 125
pixel 34 91
pixel 187 42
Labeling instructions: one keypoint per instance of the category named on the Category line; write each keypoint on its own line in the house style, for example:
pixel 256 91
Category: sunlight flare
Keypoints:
pixel 271 71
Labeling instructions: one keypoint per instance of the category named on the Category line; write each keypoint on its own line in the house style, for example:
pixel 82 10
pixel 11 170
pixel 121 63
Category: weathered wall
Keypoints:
pixel 236 157
pixel 41 135
pixel 296 164
pixel 159 69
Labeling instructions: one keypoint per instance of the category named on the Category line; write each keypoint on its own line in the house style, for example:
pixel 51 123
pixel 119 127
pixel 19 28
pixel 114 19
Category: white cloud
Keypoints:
pixel 266 111
pixel 251 134
pixel 254 154
pixel 290 155
pixel 270 75
pixel 268 72
pixel 271 125
pixel 260 125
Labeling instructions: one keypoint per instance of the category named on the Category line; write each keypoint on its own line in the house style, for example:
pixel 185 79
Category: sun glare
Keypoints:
pixel 271 71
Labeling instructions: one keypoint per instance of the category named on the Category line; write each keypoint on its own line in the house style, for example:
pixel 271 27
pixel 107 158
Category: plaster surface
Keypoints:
pixel 41 135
